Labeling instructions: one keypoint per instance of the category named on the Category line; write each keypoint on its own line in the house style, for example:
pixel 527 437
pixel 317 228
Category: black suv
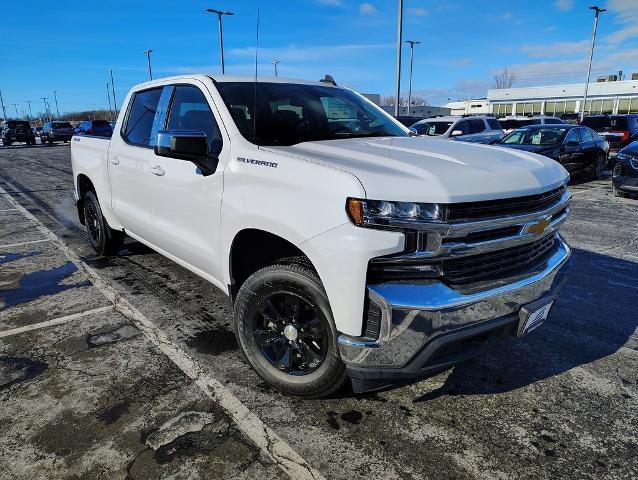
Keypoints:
pixel 17 131
pixel 625 179
pixel 56 132
pixel 618 130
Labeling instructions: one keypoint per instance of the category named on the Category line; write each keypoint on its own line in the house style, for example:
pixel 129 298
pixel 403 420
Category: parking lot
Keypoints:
pixel 127 368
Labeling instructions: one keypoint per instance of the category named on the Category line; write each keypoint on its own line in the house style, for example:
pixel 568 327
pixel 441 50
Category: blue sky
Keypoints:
pixel 68 46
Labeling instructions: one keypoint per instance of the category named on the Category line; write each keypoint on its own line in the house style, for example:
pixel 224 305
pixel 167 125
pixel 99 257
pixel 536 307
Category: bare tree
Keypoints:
pixel 504 79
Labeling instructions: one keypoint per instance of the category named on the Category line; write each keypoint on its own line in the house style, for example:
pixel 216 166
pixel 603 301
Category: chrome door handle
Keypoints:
pixel 157 170
pixel 113 159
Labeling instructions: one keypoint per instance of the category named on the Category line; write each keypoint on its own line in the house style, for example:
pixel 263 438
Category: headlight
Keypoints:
pixel 382 213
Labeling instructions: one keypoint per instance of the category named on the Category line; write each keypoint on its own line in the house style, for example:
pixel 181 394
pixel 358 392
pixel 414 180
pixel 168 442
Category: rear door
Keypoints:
pixel 572 156
pixel 477 131
pixel 186 204
pixel 128 157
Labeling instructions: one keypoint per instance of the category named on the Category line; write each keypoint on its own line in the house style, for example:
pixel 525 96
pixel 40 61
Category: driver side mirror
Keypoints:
pixel 456 133
pixel 188 145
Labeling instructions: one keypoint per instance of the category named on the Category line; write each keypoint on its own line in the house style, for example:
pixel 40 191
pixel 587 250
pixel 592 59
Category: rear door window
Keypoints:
pixel 477 126
pixel 572 136
pixel 585 134
pixel 493 123
pixel 141 116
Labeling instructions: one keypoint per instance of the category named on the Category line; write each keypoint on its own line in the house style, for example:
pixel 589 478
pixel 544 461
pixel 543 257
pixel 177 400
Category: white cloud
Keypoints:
pixel 564 5
pixel 417 12
pixel 558 49
pixel 311 53
pixel 626 15
pixel 367 9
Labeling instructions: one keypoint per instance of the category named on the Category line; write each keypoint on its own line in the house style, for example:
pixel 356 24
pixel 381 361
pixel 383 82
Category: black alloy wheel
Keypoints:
pixel 290 332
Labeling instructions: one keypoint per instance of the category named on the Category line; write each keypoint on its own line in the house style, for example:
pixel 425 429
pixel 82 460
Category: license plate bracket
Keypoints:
pixel 532 315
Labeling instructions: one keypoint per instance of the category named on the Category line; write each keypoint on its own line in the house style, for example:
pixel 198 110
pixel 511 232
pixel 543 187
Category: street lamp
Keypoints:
pixel 221 34
pixel 30 112
pixel 55 96
pixel 15 105
pixel 148 58
pixel 597 11
pixel 412 44
pixel 399 45
pixel 275 62
pixel 108 94
pixel 113 89
pixel 46 107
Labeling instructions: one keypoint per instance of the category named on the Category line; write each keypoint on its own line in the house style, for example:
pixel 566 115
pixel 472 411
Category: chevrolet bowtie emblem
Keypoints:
pixel 538 227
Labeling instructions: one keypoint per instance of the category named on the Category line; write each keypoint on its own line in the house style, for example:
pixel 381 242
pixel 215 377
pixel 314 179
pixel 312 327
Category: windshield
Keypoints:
pixel 535 136
pixel 289 113
pixel 101 124
pixel 434 128
pixel 605 124
pixel 61 125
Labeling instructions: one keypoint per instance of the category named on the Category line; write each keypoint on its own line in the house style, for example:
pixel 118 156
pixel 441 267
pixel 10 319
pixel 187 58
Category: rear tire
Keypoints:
pixel 104 240
pixel 618 193
pixel 285 329
pixel 599 167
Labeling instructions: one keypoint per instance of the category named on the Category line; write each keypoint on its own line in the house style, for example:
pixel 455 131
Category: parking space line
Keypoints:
pixel 270 444
pixel 576 192
pixel 21 244
pixel 54 321
pixel 8 210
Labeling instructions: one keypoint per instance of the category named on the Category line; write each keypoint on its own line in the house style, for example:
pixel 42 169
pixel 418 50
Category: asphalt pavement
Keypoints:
pixel 127 368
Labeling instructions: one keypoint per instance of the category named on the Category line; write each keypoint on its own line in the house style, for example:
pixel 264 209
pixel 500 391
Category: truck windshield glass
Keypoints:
pixel 61 125
pixel 289 113
pixel 535 136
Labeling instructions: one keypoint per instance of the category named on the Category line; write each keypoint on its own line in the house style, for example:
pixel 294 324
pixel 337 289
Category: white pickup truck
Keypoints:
pixel 349 248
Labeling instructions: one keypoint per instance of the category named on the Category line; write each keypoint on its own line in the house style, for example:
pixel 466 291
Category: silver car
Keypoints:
pixel 477 129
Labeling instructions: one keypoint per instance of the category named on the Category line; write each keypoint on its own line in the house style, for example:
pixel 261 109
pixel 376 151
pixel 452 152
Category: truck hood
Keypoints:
pixel 422 169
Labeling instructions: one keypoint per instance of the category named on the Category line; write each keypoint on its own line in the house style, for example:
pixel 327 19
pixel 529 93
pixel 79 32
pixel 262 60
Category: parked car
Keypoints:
pixel 577 148
pixel 408 121
pixel 476 129
pixel 316 229
pixel 37 131
pixel 625 174
pixel 14 131
pixel 98 128
pixel 510 124
pixel 56 132
pixel 618 130
pixel 573 118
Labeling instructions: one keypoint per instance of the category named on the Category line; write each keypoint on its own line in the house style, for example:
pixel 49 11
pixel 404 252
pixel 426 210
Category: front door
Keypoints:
pixel 186 204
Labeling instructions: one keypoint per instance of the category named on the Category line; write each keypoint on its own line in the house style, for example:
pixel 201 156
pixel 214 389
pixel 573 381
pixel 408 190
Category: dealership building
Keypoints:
pixel 602 97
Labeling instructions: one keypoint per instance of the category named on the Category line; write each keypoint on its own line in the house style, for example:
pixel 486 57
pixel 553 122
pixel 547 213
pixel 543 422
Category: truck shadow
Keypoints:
pixel 595 316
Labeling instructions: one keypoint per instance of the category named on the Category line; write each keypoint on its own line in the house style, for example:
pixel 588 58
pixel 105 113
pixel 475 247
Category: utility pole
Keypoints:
pixel 30 112
pixel 412 44
pixel 148 58
pixel 597 11
pixel 275 62
pixel 221 35
pixel 4 110
pixel 15 105
pixel 113 89
pixel 399 45
pixel 55 96
pixel 108 94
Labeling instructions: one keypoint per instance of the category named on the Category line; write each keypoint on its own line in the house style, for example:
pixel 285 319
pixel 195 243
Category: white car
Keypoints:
pixel 469 128
pixel 349 248
pixel 509 124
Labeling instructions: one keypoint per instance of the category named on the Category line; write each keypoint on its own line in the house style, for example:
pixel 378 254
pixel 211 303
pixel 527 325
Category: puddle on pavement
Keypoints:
pixel 213 342
pixel 122 333
pixel 42 283
pixel 12 257
pixel 14 370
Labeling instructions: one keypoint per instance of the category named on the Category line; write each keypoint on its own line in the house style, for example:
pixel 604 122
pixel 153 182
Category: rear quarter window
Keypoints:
pixel 493 123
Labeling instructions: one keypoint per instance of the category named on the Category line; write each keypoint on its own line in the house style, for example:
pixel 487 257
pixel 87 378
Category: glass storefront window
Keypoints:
pixel 608 106
pixel 537 107
pixel 624 105
pixel 570 107
pixel 520 108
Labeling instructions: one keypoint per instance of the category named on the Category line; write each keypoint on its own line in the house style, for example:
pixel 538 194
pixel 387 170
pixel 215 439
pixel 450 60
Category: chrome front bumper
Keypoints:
pixel 417 316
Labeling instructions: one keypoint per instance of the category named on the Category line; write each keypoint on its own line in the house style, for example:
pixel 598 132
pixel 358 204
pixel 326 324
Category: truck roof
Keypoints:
pixel 230 78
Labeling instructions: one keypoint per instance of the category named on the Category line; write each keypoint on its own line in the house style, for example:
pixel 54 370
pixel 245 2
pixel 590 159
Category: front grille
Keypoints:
pixel 504 207
pixel 493 264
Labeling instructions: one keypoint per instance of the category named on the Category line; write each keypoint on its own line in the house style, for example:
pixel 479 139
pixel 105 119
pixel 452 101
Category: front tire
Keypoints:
pixel 285 329
pixel 599 167
pixel 103 238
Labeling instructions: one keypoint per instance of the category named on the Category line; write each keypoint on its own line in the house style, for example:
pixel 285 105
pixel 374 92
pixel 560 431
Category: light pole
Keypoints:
pixel 275 62
pixel 399 45
pixel 15 105
pixel 597 11
pixel 412 44
pixel 221 34
pixel 4 110
pixel 148 58
pixel 46 107
pixel 28 102
pixel 55 96
pixel 108 94
pixel 113 89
